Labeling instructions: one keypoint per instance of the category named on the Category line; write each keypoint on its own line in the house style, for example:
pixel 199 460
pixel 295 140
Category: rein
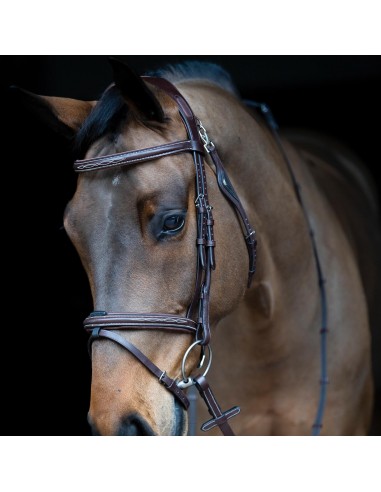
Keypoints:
pixel 324 381
pixel 101 324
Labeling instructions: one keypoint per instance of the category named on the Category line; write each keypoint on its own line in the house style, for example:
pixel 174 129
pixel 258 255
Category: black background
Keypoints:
pixel 44 365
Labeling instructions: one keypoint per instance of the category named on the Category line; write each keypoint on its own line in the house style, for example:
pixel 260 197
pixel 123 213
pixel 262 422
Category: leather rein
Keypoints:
pixel 101 324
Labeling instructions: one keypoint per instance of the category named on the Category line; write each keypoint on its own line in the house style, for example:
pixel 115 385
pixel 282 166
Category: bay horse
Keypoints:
pixel 134 224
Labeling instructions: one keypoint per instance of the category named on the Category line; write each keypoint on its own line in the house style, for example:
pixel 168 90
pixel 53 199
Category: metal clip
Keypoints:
pixel 208 144
pixel 198 200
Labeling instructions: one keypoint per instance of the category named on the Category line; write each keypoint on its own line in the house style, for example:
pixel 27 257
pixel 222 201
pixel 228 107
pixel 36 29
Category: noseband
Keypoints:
pixel 196 323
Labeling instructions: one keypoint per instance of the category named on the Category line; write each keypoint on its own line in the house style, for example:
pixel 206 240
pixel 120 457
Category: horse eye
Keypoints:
pixel 173 224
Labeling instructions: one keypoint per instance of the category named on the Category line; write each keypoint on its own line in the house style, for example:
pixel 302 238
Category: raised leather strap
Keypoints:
pixel 169 383
pixel 139 155
pixel 133 321
pixel 220 418
pixel 228 191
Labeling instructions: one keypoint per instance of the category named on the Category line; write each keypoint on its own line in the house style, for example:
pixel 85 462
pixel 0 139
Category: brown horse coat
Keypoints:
pixel 265 339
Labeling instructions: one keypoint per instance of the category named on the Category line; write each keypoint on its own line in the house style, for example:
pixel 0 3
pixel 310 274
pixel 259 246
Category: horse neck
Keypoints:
pixel 286 268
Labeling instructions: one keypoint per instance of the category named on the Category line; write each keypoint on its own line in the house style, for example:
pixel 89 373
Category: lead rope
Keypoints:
pixel 324 381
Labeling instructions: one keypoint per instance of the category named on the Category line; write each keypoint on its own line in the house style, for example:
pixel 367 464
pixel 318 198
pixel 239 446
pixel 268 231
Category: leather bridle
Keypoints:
pixel 196 322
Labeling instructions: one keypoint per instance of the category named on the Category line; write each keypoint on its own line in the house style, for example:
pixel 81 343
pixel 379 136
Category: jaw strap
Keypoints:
pixel 198 144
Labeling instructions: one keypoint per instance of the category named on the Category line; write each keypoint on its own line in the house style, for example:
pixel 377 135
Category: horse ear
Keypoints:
pixel 63 115
pixel 135 91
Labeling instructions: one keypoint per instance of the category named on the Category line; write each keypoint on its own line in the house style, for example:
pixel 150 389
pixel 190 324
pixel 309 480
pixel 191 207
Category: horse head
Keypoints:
pixel 135 230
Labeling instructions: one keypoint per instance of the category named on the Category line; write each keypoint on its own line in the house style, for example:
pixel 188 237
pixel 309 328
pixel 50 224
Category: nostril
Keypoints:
pixel 134 425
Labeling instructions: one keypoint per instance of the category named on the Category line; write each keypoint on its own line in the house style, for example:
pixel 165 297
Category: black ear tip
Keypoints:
pixel 134 90
pixel 117 63
pixel 121 68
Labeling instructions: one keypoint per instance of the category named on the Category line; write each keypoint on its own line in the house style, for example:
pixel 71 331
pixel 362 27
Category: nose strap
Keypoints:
pixel 99 320
pixel 101 325
pixel 136 321
pixel 170 384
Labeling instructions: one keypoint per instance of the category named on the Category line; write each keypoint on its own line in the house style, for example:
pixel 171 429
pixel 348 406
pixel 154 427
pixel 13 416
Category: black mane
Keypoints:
pixel 108 114
pixel 194 69
pixel 111 109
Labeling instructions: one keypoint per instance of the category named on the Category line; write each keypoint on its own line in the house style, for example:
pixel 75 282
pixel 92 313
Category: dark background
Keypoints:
pixel 44 365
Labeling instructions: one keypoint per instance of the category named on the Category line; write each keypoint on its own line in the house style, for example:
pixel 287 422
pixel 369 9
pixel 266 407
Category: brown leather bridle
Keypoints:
pixel 102 324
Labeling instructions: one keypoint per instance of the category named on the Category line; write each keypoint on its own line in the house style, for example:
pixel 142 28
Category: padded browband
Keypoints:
pixel 136 156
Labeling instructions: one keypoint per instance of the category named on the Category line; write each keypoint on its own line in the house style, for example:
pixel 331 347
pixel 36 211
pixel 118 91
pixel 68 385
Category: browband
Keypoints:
pixel 136 156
